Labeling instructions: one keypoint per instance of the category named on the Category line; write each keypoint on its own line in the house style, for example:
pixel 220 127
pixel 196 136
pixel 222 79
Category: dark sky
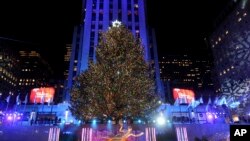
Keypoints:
pixel 180 25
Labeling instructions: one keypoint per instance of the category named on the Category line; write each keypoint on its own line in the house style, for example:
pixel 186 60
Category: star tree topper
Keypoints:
pixel 116 23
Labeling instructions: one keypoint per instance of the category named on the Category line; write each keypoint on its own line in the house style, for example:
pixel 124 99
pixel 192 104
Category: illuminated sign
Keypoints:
pixel 41 95
pixel 184 95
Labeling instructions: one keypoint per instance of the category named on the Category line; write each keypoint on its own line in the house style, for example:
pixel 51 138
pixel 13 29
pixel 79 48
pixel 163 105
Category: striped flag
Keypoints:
pixel 18 99
pixel 8 99
pixel 26 99
pixel 201 100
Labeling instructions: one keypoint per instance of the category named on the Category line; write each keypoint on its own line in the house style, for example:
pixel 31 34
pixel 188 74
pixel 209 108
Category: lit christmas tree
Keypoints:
pixel 119 84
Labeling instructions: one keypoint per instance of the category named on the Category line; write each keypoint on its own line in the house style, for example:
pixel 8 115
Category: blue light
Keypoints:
pixel 139 121
pixel 124 121
pixel 94 121
pixel 109 121
pixel 161 120
pixel 63 121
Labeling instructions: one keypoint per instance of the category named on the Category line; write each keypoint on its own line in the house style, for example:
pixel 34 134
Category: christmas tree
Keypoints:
pixel 119 84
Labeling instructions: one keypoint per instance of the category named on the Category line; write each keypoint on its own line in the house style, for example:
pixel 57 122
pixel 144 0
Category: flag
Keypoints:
pixel 216 100
pixel 222 101
pixel 50 101
pixel 191 104
pixel 26 99
pixel 209 101
pixel 8 99
pixel 201 100
pixel 17 99
pixel 42 98
pixel 177 102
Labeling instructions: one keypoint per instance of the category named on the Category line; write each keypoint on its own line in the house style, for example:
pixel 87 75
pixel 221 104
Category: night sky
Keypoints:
pixel 181 26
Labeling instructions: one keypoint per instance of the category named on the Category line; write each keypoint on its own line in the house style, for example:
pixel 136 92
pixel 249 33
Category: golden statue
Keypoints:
pixel 124 134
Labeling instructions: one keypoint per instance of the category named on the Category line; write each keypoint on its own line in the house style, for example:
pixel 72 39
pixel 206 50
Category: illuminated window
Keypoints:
pixel 226 32
pixel 1 56
pixel 239 19
pixel 244 14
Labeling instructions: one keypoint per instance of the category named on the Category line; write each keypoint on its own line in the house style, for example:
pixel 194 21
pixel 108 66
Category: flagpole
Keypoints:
pixel 42 107
pixel 7 106
pixel 24 108
pixel 25 101
pixel 15 108
pixel 17 102
pixel 8 101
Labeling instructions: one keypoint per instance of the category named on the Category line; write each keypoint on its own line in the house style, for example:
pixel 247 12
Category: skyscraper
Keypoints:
pixel 22 67
pixel 230 43
pixel 98 16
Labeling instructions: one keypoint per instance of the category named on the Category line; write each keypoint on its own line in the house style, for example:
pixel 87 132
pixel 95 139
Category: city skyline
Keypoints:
pixel 51 25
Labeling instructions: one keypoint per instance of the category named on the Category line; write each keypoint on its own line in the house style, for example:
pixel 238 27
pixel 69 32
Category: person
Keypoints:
pixel 125 134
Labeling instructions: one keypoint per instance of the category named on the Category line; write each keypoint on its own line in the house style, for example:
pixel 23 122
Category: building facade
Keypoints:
pixel 35 71
pixel 98 16
pixel 21 68
pixel 9 67
pixel 67 60
pixel 185 71
pixel 230 44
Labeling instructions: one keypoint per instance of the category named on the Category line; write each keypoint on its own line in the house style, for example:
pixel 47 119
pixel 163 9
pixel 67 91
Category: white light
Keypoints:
pixel 116 23
pixel 161 120
pixel 139 121
pixel 66 115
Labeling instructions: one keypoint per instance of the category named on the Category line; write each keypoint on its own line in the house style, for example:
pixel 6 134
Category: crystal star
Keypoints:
pixel 116 23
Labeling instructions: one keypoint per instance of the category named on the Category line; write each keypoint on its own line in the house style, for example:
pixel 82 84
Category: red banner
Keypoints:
pixel 184 95
pixel 41 95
